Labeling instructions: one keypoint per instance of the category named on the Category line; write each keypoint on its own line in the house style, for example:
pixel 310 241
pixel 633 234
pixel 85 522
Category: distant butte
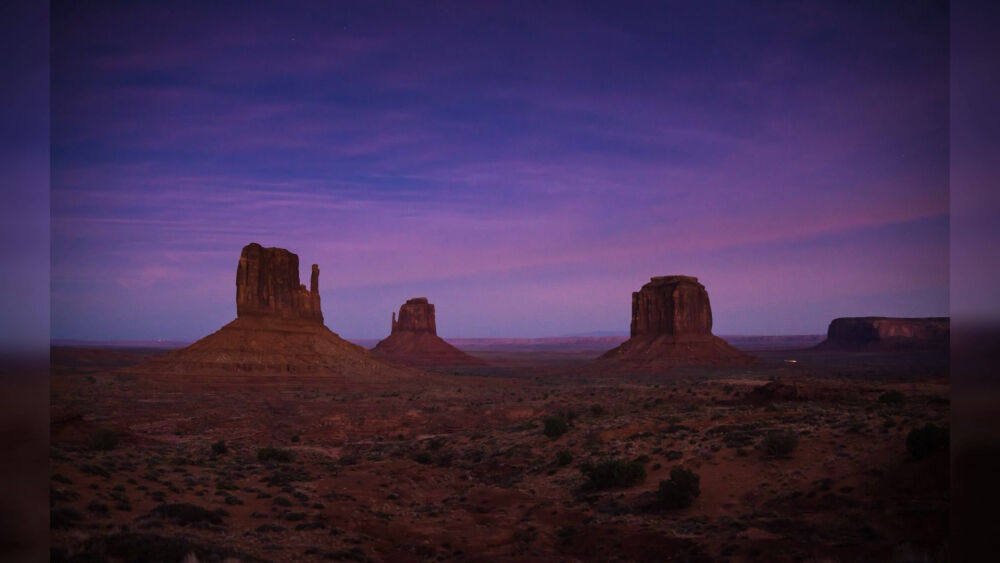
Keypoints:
pixel 887 333
pixel 278 329
pixel 672 325
pixel 413 338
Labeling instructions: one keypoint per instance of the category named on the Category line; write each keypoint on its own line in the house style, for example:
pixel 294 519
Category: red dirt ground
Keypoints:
pixel 454 464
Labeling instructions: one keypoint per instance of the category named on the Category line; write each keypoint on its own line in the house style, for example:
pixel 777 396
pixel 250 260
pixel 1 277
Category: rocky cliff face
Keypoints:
pixel 671 305
pixel 672 325
pixel 888 332
pixel 416 315
pixel 267 284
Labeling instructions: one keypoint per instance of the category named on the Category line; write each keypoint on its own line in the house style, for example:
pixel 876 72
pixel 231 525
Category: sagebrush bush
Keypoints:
pixel 270 453
pixel 613 473
pixel 219 448
pixel 779 443
pixel 186 513
pixel 563 457
pixel 892 397
pixel 558 424
pixel 922 442
pixel 681 490
pixel 104 439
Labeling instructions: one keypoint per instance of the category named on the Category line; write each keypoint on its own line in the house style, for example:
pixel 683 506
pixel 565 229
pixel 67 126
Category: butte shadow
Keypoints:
pixel 672 326
pixel 413 339
pixel 278 329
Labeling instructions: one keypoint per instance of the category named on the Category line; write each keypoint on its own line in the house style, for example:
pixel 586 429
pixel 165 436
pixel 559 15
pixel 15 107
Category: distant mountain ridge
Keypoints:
pixel 583 341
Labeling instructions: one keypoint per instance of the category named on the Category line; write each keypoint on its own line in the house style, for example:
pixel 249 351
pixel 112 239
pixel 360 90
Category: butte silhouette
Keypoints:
pixel 887 333
pixel 413 338
pixel 278 328
pixel 671 326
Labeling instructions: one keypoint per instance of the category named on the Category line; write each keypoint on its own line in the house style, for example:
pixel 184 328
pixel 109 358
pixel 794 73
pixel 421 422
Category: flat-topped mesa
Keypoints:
pixel 267 285
pixel 671 305
pixel 887 333
pixel 416 315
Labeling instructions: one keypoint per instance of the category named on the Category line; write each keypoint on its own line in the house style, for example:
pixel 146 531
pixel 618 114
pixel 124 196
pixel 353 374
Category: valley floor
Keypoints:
pixel 497 462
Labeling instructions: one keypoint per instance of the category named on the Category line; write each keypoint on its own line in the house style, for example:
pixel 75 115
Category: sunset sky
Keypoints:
pixel 524 168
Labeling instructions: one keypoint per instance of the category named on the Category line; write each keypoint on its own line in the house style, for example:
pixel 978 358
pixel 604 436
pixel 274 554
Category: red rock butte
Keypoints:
pixel 887 333
pixel 267 284
pixel 672 325
pixel 278 329
pixel 413 338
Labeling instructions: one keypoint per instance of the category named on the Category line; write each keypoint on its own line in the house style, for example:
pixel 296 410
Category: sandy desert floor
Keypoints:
pixel 469 465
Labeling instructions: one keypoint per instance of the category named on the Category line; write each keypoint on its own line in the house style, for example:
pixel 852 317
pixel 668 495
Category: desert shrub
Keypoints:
pixel 422 458
pixel 295 438
pixel 922 442
pixel 681 490
pixel 435 444
pixel 97 506
pixel 104 439
pixel 286 475
pixel 779 443
pixel 97 470
pixel 613 473
pixel 219 448
pixel 270 453
pixel 226 485
pixel 597 410
pixel 558 424
pixel 891 397
pixel 63 517
pixel 186 513
pixel 563 457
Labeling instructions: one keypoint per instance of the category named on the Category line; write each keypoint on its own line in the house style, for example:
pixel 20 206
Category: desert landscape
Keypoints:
pixel 579 281
pixel 275 440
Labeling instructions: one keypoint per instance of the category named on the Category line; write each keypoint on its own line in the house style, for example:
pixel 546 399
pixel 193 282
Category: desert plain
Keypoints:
pixel 456 464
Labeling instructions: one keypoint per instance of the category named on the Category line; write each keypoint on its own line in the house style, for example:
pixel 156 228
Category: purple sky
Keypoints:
pixel 524 168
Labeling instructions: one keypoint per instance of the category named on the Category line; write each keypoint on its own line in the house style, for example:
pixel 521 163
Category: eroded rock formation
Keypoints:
pixel 267 284
pixel 278 329
pixel 887 333
pixel 413 338
pixel 416 315
pixel 672 325
pixel 671 305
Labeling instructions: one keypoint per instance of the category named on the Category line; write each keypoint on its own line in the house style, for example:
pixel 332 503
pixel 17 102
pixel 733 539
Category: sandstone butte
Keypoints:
pixel 887 333
pixel 413 338
pixel 672 326
pixel 278 329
